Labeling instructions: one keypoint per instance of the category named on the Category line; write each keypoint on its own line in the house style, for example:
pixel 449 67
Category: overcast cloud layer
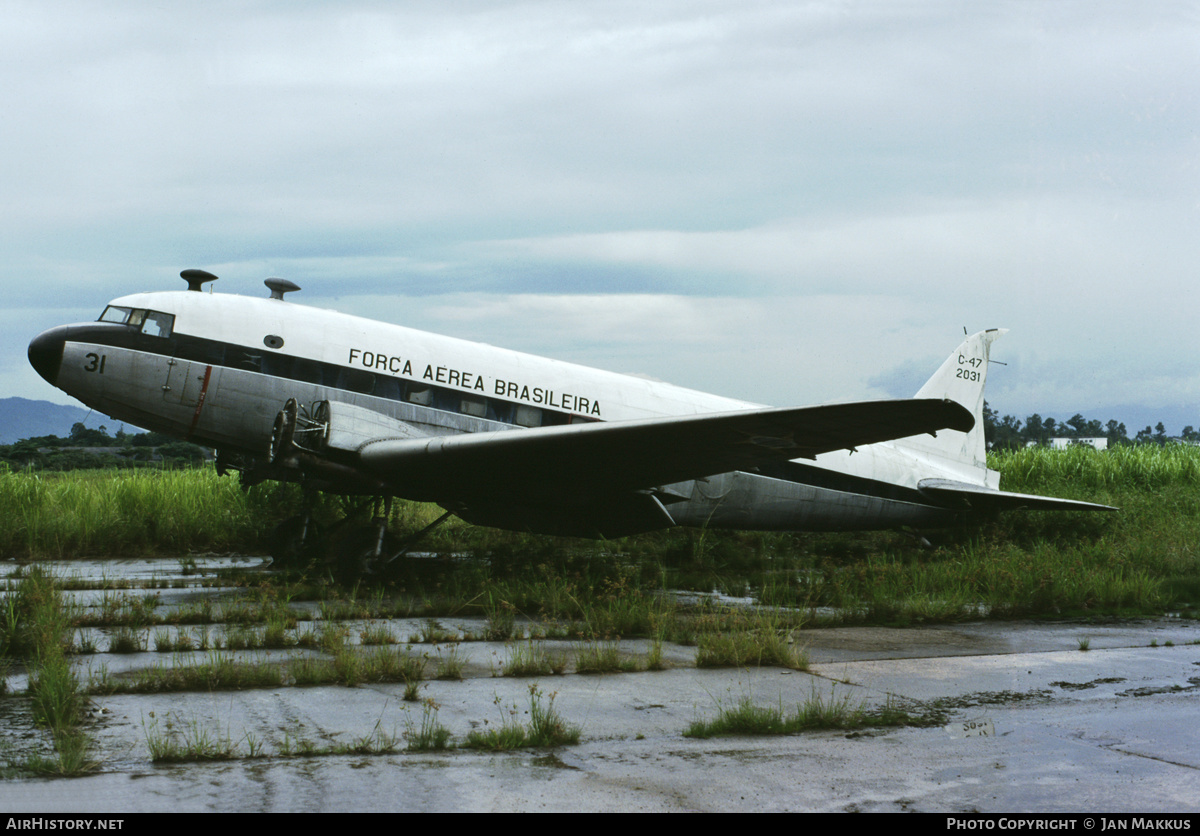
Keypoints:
pixel 786 202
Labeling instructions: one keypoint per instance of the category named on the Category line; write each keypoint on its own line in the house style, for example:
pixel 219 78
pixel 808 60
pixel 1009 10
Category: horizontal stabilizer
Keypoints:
pixel 577 462
pixel 980 498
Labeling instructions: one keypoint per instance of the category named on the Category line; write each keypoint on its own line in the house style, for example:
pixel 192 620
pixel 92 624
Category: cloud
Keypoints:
pixel 778 201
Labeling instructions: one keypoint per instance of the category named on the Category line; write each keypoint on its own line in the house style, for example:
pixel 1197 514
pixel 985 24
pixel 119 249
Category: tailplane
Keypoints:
pixel 961 379
pixel 964 455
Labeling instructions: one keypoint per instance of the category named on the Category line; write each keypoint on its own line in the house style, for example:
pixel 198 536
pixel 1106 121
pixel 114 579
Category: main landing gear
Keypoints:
pixel 350 551
pixel 295 452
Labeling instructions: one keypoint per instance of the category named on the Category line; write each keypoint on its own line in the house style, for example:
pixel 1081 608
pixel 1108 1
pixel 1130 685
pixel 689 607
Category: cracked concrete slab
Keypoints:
pixel 1111 729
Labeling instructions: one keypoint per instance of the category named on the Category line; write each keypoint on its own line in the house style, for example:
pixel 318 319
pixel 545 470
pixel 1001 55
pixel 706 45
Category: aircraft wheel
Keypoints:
pixel 289 545
pixel 353 554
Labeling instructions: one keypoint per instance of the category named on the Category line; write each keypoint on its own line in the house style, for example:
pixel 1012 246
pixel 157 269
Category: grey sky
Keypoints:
pixel 787 202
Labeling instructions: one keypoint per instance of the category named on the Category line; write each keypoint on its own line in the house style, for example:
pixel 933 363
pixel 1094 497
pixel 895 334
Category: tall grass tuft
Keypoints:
pixel 37 627
pixel 744 717
pixel 533 659
pixel 545 728
pixel 429 735
pixel 750 640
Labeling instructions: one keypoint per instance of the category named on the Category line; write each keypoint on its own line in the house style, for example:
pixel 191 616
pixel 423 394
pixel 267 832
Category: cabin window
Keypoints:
pixel 420 395
pixel 473 406
pixel 389 387
pixel 501 411
pixel 528 416
pixel 355 380
pixel 306 371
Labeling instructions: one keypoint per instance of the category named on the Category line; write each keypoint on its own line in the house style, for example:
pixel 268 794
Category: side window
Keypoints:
pixel 355 380
pixel 306 371
pixel 420 395
pixel 528 416
pixel 473 406
pixel 158 324
pixel 391 388
pixel 115 314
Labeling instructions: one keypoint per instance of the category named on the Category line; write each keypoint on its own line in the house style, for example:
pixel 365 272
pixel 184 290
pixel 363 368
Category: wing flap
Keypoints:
pixel 980 498
pixel 579 462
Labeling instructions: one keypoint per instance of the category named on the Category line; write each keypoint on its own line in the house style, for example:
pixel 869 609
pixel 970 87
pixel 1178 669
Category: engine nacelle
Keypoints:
pixel 330 428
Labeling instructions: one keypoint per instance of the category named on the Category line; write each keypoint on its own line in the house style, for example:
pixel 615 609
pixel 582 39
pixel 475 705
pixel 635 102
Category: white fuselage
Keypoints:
pixel 229 362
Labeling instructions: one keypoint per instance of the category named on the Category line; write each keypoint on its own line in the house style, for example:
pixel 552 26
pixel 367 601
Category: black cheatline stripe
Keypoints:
pixel 240 358
pixel 301 369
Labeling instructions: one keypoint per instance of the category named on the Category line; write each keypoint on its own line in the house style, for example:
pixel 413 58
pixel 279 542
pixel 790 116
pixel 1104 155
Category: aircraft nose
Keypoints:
pixel 46 352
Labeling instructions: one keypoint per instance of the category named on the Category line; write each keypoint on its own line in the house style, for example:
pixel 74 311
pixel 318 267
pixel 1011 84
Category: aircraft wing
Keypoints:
pixel 575 463
pixel 980 498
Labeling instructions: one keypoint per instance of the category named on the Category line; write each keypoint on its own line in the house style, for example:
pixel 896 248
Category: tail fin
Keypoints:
pixel 961 379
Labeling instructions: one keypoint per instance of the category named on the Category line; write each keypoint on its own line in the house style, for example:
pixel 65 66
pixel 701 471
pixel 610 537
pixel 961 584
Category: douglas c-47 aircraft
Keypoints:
pixel 349 405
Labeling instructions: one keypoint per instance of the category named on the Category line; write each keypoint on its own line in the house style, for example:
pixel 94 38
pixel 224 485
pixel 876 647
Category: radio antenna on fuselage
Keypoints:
pixel 280 286
pixel 196 278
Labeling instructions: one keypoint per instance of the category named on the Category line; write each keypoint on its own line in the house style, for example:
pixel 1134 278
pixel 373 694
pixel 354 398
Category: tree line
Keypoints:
pixel 1009 433
pixel 88 448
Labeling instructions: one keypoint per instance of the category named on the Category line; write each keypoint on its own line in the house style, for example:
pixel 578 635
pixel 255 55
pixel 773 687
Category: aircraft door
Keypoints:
pixel 187 382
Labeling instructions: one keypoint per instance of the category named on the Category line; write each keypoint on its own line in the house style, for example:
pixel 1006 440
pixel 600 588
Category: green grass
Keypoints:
pixel 745 717
pixel 428 735
pixel 750 639
pixel 544 729
pixel 187 742
pixel 190 741
pixel 221 671
pixel 448 664
pixel 36 627
pixel 72 756
pixel 603 657
pixel 112 512
pixel 1141 560
pixel 533 659
pixel 433 633
pixel 376 634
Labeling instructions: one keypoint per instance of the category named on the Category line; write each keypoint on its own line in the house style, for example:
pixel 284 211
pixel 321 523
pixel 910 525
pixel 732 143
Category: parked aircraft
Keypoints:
pixel 349 405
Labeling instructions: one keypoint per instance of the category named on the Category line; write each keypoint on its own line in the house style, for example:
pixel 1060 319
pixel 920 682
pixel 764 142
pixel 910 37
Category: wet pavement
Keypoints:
pixel 1112 729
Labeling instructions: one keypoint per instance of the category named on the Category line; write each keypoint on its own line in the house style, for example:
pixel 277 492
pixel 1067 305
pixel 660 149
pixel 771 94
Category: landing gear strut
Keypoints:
pixel 298 539
pixel 373 550
pixel 350 552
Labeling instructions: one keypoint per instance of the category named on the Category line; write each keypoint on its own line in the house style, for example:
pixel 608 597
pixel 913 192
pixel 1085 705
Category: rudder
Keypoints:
pixel 961 378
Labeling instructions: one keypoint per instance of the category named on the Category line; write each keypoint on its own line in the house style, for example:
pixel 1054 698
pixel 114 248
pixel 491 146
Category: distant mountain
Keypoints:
pixel 23 418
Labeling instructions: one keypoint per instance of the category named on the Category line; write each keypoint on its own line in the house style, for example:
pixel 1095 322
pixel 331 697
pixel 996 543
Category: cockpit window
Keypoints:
pixel 114 314
pixel 158 324
pixel 153 323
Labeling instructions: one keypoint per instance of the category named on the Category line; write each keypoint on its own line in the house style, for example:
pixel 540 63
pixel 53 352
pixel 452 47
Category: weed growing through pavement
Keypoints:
pixel 186 742
pixel 449 664
pixel 191 742
pixel 744 717
pixel 603 657
pixel 376 633
pixel 35 625
pixel 429 735
pixel 544 729
pixel 761 640
pixel 532 659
